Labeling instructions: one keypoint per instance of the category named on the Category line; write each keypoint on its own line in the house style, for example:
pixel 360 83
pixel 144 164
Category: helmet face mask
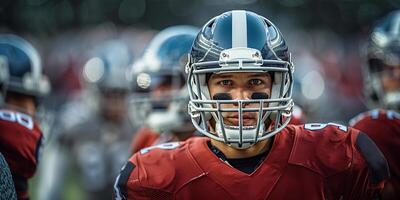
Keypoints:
pixel 381 76
pixel 245 55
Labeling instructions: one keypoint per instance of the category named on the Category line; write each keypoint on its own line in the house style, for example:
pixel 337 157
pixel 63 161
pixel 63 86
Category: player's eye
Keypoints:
pixel 225 82
pixel 255 82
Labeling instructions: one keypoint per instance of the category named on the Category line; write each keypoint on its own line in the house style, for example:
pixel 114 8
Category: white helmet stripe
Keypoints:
pixel 239 28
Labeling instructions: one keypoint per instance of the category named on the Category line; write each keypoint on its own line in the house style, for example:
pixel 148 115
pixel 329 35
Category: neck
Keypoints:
pixel 21 106
pixel 232 153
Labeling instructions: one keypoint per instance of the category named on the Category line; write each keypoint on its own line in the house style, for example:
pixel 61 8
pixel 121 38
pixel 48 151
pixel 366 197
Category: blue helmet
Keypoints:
pixel 163 63
pixel 240 41
pixel 383 50
pixel 21 67
pixel 108 65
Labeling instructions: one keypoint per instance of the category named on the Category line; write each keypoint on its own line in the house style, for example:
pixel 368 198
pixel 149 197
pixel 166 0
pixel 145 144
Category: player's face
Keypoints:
pixel 163 92
pixel 114 105
pixel 390 76
pixel 239 86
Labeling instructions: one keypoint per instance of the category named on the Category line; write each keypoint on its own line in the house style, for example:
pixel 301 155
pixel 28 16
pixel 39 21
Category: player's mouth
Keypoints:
pixel 247 120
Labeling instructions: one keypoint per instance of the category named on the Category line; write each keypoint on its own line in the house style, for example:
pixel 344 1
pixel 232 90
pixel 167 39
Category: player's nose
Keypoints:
pixel 241 94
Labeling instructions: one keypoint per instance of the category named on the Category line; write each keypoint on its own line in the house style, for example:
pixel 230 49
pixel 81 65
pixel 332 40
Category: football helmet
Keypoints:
pixel 108 84
pixel 21 68
pixel 240 41
pixel 108 65
pixel 383 53
pixel 162 65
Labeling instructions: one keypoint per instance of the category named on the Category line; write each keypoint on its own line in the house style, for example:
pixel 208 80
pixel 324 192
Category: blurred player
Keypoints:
pixel 21 137
pixel 160 77
pixel 382 87
pixel 94 149
pixel 240 85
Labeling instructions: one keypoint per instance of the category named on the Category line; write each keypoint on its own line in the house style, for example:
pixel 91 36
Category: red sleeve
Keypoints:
pixel 128 185
pixel 145 137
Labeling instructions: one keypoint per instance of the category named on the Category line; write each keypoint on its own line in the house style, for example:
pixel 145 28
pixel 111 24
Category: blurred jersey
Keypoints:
pixel 20 142
pixel 314 161
pixel 383 127
pixel 146 137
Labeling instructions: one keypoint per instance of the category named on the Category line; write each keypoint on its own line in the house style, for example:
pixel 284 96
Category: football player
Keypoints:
pixel 98 145
pixel 240 84
pixel 21 137
pixel 382 89
pixel 160 79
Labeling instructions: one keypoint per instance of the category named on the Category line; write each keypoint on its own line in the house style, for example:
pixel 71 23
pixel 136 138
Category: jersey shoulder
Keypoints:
pixel 324 148
pixel 378 116
pixel 164 167
pixel 333 148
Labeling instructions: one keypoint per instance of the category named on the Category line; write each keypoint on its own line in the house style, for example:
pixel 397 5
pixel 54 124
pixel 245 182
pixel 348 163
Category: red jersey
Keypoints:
pixel 146 137
pixel 313 161
pixel 383 127
pixel 20 141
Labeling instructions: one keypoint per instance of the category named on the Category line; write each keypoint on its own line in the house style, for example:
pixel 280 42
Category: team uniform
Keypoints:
pixel 383 127
pixel 337 162
pixel 20 142
pixel 146 137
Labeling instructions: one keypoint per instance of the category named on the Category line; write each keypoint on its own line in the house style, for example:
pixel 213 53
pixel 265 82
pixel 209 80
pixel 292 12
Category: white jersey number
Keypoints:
pixel 318 126
pixel 20 118
pixel 165 146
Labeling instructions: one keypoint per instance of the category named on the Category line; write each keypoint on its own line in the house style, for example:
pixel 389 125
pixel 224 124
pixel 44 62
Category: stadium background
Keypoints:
pixel 327 40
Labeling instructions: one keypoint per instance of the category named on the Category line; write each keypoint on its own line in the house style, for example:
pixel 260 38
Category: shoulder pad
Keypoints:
pixel 166 166
pixel 323 148
pixel 374 157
